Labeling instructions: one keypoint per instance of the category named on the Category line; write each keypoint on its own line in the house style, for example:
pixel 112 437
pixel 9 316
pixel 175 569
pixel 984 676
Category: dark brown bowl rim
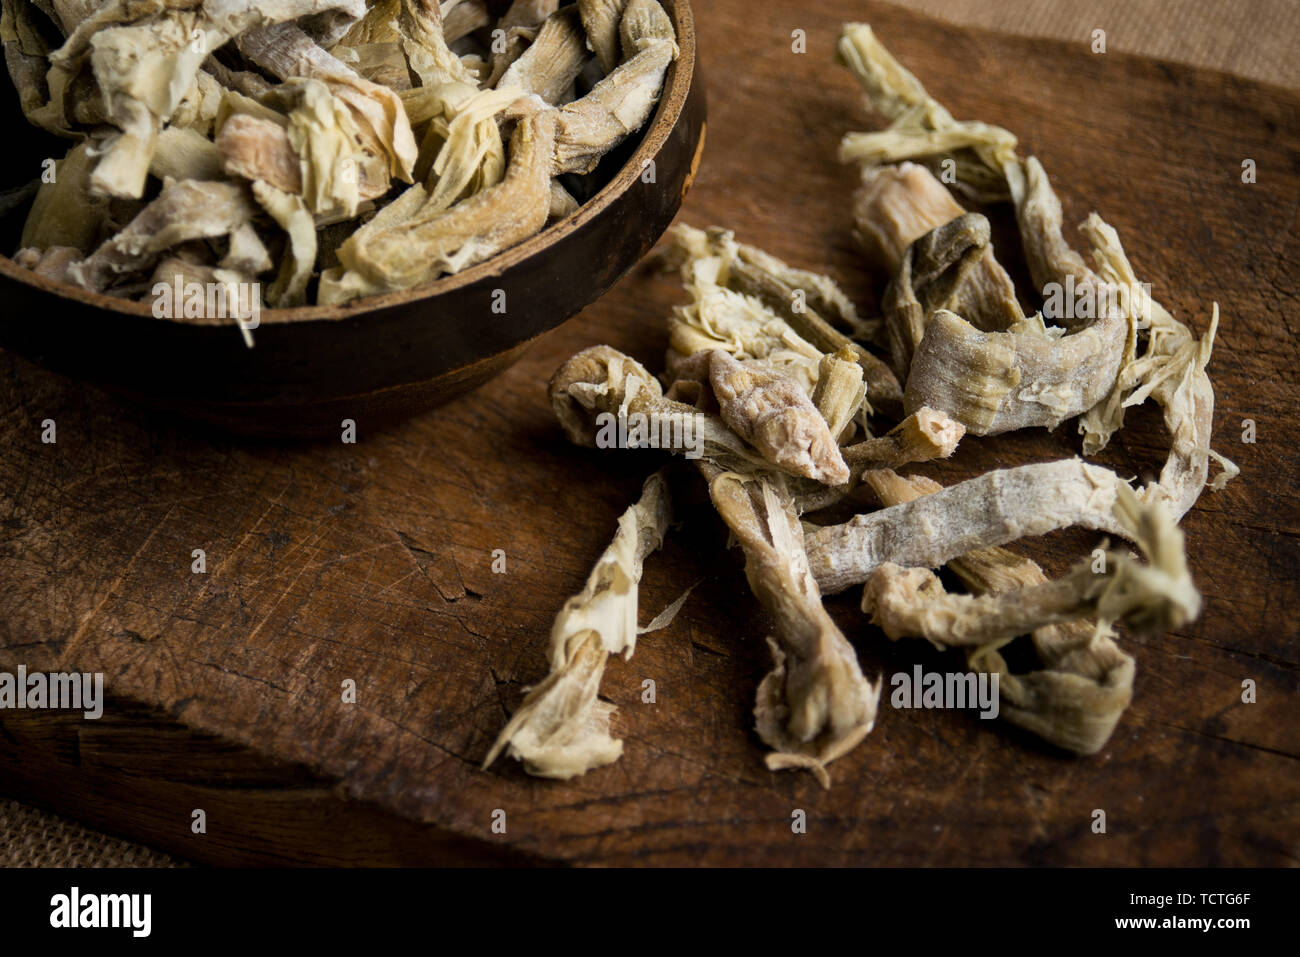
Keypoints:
pixel 671 101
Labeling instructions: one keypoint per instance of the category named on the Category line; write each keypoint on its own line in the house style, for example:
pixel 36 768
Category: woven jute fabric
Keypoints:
pixel 1252 40
pixel 32 838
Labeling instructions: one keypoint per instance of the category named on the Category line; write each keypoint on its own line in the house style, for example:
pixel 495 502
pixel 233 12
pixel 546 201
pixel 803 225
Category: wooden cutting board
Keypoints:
pixel 374 561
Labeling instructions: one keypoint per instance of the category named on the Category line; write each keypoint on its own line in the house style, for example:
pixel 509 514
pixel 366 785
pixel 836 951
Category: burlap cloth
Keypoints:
pixel 1256 39
pixel 1251 38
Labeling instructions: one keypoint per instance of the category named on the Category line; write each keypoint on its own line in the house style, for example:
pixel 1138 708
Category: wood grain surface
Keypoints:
pixel 373 561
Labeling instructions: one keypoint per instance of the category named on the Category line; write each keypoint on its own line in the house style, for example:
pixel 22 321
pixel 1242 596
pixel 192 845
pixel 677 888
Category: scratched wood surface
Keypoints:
pixel 373 561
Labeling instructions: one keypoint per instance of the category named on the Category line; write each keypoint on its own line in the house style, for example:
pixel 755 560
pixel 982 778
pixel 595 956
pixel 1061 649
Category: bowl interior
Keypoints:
pixel 22 164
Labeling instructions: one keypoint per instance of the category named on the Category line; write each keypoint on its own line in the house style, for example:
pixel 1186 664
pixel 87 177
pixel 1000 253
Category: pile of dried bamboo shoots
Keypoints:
pixel 337 148
pixel 774 371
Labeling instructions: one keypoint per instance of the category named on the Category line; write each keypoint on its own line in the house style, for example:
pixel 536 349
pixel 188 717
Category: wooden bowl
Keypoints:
pixel 379 359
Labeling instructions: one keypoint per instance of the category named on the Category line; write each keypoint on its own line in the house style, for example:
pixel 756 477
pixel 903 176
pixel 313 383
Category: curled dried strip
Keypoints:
pixel 923 436
pixel 894 206
pixel 1051 259
pixel 600 385
pixel 397 253
pixel 69 77
pixel 939 256
pixel 241 81
pixel 995 382
pixel 840 394
pixel 562 728
pixel 919 126
pixel 463 143
pixel 198 107
pixel 770 412
pixel 756 307
pixel 600 20
pixel 65 212
pixel 373 47
pixel 1019 375
pixel 1086 681
pixel 245 252
pixel 420 26
pixel 1172 371
pixel 882 388
pixel 518 26
pixel 933 268
pixel 464 18
pixel 643 23
pixel 259 149
pixel 562 203
pixel 911 602
pixel 740 325
pixel 26 56
pixel 183 211
pixel 550 65
pixel 891 89
pixel 178 272
pixel 823 301
pixel 158 52
pixel 326 140
pixel 616 107
pixel 741 264
pixel 52 262
pixel 803 299
pixel 951 267
pixel 1175 377
pixel 815 705
pixel 292 215
pixel 992 509
pixel 1077 698
pixel 378 114
pixel 185 154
